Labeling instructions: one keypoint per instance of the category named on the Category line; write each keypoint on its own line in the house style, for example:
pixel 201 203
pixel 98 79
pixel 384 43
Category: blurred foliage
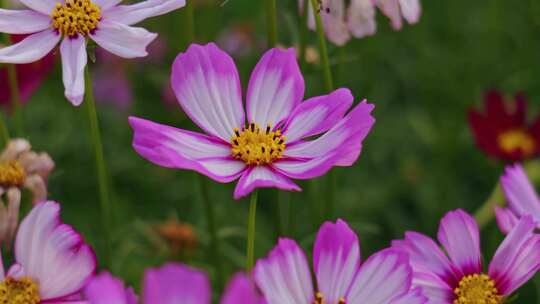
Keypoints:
pixel 418 162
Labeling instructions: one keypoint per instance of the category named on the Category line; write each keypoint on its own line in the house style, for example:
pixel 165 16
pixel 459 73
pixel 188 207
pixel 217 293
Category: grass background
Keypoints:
pixel 418 162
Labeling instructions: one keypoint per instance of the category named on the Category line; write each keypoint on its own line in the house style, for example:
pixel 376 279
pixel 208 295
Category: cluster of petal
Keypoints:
pixel 384 278
pixel 521 198
pixel 358 20
pixel 438 274
pixel 207 86
pixel 114 33
pixel 171 284
pixel 29 76
pixel 51 254
pixel 500 117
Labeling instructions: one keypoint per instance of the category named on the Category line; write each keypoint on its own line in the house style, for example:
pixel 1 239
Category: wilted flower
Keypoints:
pixel 52 262
pixel 503 131
pixel 105 22
pixel 521 197
pixel 29 76
pixel 181 237
pixel 459 278
pixel 274 145
pixel 358 20
pixel 170 284
pixel 384 278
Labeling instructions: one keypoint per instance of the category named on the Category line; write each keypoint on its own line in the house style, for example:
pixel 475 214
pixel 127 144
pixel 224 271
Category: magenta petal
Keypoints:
pixel 262 177
pixel 276 87
pixel 306 169
pixel 207 86
pixel 518 257
pixel 459 234
pixel 52 253
pixel 106 289
pixel 384 277
pixel 317 115
pixel 506 219
pixel 284 276
pixel 174 148
pixel 336 258
pixel 519 192
pixel 434 288
pixel 241 289
pixel 176 283
pixel 426 256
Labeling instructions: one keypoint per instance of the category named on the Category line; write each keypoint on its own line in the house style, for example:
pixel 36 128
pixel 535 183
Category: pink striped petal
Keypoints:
pixel 176 283
pixel 384 277
pixel 31 48
pixel 175 148
pixel 74 59
pixel 415 296
pixel 460 236
pixel 275 89
pixel 106 289
pixel 518 257
pixel 336 259
pixel 207 86
pixel 52 253
pixel 135 13
pixel 122 40
pixel 262 177
pixel 344 139
pixel 43 6
pixel 284 276
pixel 361 18
pixel 519 192
pixel 434 288
pixel 23 21
pixel 241 289
pixel 306 169
pixel 506 219
pixel 317 115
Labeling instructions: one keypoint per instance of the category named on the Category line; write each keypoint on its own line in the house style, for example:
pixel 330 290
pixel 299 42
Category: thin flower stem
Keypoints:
pixel 271 20
pixel 4 134
pixel 323 49
pixel 15 99
pixel 212 230
pixel 251 231
pixel 101 167
pixel 303 33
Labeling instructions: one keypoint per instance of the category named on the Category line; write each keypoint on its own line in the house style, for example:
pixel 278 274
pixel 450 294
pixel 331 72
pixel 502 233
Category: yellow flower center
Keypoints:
pixel 477 289
pixel 23 291
pixel 12 174
pixel 517 139
pixel 319 299
pixel 257 147
pixel 75 17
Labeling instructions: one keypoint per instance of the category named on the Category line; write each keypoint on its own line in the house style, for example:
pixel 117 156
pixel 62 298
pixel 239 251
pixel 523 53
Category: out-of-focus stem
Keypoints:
pixel 4 134
pixel 15 99
pixel 251 231
pixel 303 32
pixel 271 22
pixel 323 49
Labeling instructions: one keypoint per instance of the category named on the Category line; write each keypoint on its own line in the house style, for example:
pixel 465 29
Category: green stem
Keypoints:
pixel 251 231
pixel 271 20
pixel 101 168
pixel 4 134
pixel 303 33
pixel 212 230
pixel 15 99
pixel 323 49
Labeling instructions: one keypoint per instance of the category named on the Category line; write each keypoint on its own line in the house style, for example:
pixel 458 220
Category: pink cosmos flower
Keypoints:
pixel 52 262
pixel 274 146
pixel 521 197
pixel 384 278
pixel 104 21
pixel 170 284
pixel 457 277
pixel 358 20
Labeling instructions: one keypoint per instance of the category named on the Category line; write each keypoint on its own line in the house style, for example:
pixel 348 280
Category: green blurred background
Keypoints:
pixel 418 162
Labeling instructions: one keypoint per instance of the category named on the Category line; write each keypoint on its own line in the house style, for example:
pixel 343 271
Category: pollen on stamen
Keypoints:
pixel 76 17
pixel 477 288
pixel 256 146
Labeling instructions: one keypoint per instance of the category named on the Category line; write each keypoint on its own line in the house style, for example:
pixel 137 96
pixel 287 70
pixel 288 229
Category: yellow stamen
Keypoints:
pixel 76 17
pixel 23 291
pixel 319 299
pixel 517 139
pixel 257 147
pixel 477 289
pixel 12 174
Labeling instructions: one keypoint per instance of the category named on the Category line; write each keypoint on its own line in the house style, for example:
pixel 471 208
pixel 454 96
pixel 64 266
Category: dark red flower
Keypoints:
pixel 502 131
pixel 29 76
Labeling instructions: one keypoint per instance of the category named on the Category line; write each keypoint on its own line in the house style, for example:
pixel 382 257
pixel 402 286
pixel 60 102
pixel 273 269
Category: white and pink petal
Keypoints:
pixel 74 60
pixel 42 6
pixel 519 192
pixel 123 40
pixel 135 13
pixel 506 219
pixel 361 18
pixel 23 21
pixel 31 48
pixel 207 86
pixel 262 177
